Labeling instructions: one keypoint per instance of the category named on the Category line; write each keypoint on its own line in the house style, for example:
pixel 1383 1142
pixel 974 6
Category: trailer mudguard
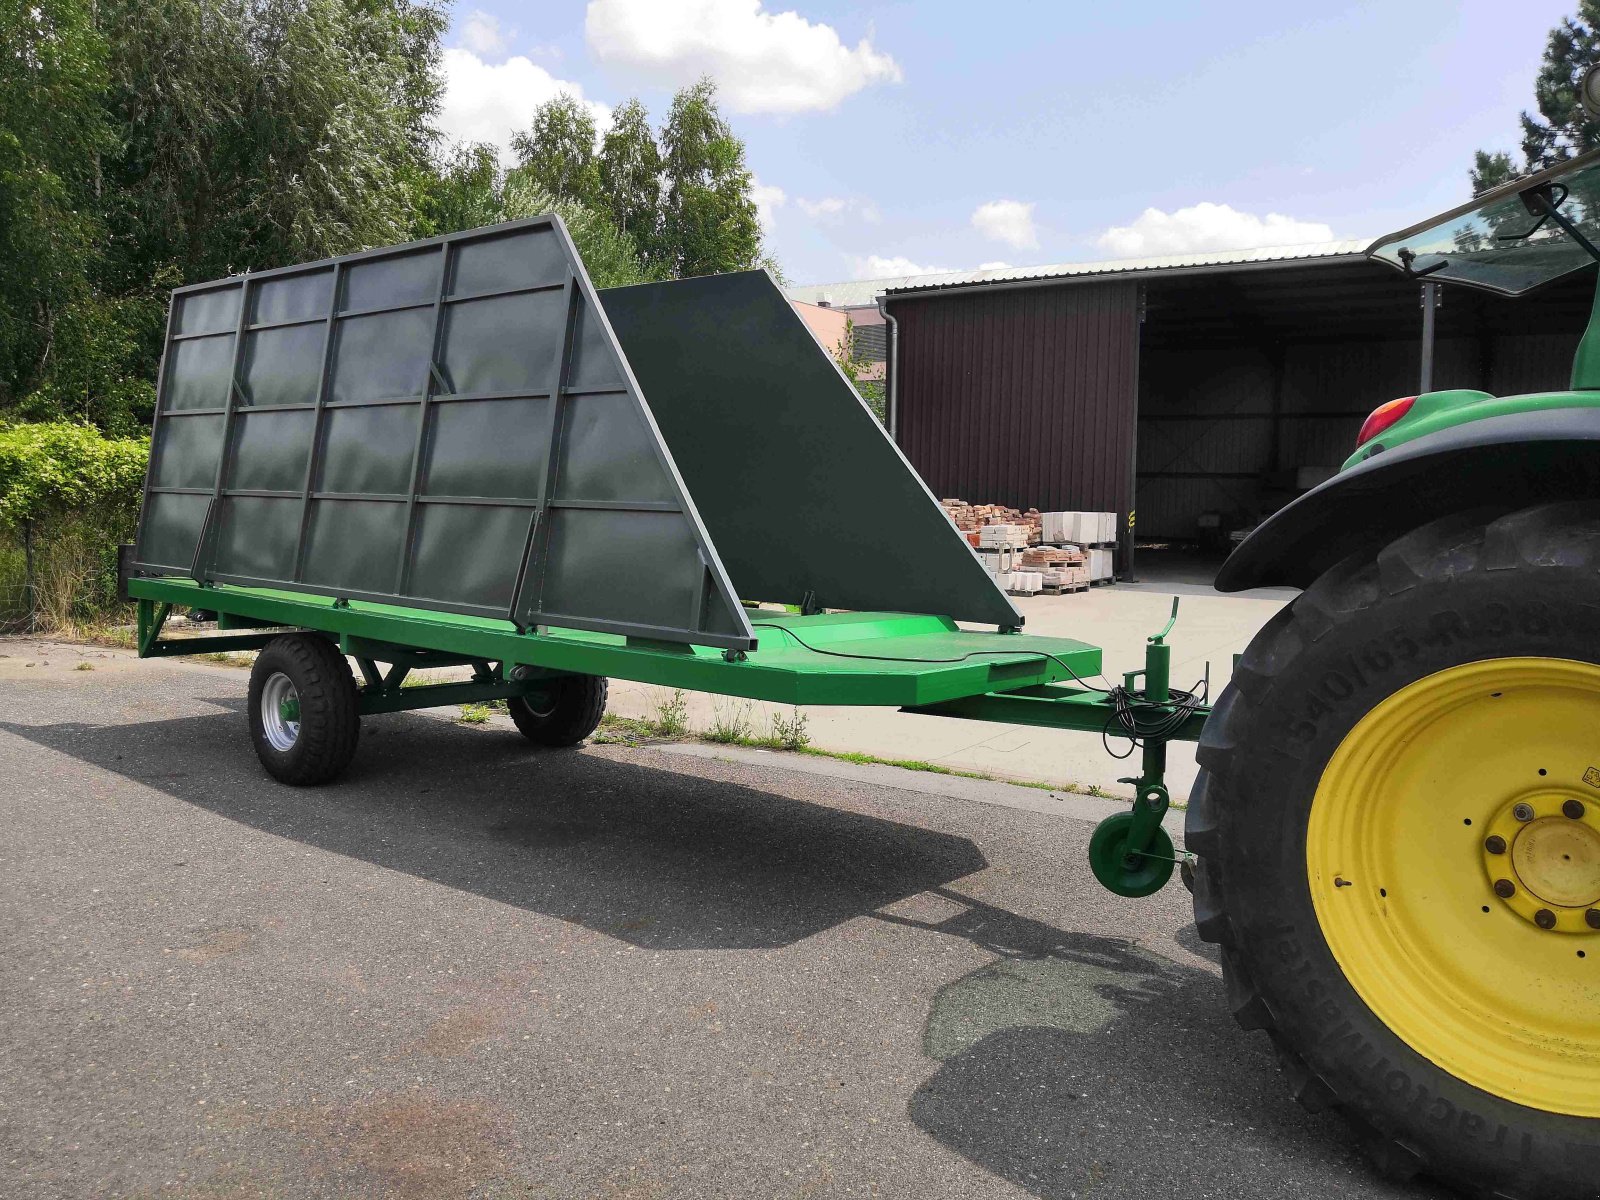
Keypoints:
pixel 1497 463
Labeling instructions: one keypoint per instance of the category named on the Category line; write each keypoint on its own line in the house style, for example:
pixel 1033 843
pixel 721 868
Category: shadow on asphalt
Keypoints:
pixel 1076 1065
pixel 1071 1065
pixel 661 860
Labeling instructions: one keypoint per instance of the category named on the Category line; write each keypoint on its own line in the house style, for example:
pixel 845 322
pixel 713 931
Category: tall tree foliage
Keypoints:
pixel 148 145
pixel 683 200
pixel 470 190
pixel 557 151
pixel 53 130
pixel 709 223
pixel 1561 129
pixel 630 177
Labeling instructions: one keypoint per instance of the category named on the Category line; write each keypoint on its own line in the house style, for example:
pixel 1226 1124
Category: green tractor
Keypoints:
pixel 1398 815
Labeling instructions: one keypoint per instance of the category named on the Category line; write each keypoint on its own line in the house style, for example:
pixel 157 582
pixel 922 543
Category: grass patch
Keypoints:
pixel 671 717
pixel 622 731
pixel 228 658
pixel 730 723
pixel 789 732
pixel 86 665
pixel 473 714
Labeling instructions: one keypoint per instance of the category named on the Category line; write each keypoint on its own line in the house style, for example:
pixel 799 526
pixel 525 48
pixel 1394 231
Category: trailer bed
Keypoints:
pixel 895 659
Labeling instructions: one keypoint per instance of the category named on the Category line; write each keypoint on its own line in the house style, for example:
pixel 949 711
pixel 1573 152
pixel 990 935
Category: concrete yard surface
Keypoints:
pixel 472 969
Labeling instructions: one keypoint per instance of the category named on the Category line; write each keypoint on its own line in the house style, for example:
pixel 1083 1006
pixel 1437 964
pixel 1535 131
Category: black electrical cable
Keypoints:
pixel 1126 705
pixel 930 661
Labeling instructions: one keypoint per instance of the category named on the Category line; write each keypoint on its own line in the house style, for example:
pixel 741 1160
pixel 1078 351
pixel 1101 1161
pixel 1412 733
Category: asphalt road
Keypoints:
pixel 473 969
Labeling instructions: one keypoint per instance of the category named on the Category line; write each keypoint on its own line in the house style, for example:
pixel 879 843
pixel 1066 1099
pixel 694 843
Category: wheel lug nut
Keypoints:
pixel 1573 809
pixel 1494 844
pixel 1504 888
pixel 1593 917
pixel 1523 812
pixel 1544 919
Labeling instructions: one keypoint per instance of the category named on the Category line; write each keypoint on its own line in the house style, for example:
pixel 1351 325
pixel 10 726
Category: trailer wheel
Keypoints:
pixel 564 713
pixel 1398 824
pixel 303 716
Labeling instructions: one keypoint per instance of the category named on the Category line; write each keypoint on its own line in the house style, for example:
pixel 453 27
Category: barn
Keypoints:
pixel 1192 395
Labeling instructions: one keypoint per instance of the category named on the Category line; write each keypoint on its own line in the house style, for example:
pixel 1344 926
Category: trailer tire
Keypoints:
pixel 303 711
pixel 569 710
pixel 1455 1031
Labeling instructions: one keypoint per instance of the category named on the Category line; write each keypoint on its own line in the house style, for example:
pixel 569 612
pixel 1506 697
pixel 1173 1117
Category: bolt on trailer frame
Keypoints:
pixel 458 452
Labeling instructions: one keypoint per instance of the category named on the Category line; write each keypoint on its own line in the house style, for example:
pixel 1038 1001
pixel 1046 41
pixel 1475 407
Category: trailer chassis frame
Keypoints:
pixel 1130 853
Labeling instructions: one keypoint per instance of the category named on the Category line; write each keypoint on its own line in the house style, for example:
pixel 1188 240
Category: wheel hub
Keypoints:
pixel 280 712
pixel 1541 857
pixel 1453 851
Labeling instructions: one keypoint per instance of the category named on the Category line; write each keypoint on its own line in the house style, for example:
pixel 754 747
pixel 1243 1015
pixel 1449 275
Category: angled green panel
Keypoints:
pixel 448 425
pixel 802 490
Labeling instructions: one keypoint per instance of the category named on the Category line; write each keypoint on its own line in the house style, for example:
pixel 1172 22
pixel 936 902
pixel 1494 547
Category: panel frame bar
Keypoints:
pixel 531 574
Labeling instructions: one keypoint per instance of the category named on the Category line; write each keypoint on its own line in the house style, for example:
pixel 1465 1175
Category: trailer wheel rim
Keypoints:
pixel 280 712
pixel 1435 924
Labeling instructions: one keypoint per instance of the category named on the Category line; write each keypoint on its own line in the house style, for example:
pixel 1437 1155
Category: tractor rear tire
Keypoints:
pixel 568 710
pixel 303 709
pixel 1371 781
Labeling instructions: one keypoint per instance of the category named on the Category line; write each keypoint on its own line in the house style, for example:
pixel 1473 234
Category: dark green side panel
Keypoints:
pixel 447 424
pixel 800 486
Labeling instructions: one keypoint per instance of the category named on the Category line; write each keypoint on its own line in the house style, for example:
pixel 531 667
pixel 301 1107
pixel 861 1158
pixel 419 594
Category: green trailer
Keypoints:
pixel 458 453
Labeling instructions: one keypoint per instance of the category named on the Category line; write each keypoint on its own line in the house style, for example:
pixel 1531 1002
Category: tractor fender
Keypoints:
pixel 1494 463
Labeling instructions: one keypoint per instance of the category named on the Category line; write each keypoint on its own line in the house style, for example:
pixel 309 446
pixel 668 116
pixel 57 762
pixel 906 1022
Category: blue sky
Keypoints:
pixel 887 136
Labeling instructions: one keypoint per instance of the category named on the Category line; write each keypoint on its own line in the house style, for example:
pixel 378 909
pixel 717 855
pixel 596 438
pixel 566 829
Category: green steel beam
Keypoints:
pixel 399 699
pixel 1049 707
pixel 221 643
pixel 888 659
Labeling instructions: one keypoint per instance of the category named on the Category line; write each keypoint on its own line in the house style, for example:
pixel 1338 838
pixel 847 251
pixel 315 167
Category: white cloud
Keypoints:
pixel 1008 221
pixel 829 209
pixel 762 61
pixel 486 102
pixel 767 198
pixel 994 266
pixel 1207 226
pixel 481 33
pixel 823 209
pixel 875 266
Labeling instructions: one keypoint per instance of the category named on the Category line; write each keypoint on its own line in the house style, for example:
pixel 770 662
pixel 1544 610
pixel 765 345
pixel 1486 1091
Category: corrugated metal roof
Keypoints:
pixel 857 293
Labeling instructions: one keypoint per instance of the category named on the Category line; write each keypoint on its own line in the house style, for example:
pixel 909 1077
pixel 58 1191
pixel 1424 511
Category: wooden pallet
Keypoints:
pixel 1064 590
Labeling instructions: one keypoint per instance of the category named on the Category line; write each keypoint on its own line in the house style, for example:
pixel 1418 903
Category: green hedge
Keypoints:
pixel 69 494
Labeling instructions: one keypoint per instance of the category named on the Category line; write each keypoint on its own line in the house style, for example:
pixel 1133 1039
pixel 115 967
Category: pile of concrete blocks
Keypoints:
pixel 1081 528
pixel 1101 568
pixel 1003 537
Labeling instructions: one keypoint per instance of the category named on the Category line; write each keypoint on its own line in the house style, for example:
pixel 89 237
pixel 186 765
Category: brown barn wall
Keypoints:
pixel 1022 397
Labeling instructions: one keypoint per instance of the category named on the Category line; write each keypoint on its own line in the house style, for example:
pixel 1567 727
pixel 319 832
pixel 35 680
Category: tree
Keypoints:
pixel 1561 130
pixel 630 177
pixel 470 190
pixel 464 192
pixel 52 134
pixel 556 152
pixel 853 361
pixel 144 146
pixel 709 221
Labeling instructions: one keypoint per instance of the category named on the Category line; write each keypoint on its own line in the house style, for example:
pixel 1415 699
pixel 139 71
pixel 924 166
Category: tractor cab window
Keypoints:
pixel 1507 240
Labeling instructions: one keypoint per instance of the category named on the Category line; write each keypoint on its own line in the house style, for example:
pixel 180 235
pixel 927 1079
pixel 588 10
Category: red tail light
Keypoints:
pixel 1382 417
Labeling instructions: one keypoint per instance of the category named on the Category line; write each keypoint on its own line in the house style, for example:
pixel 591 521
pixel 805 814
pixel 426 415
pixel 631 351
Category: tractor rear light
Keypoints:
pixel 1383 417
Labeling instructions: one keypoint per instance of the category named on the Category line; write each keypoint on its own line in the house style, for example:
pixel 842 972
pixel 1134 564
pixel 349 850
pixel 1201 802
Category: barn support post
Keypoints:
pixel 1430 310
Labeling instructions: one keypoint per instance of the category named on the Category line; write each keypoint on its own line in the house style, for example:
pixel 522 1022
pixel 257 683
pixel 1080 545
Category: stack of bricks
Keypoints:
pixel 971 518
pixel 1061 569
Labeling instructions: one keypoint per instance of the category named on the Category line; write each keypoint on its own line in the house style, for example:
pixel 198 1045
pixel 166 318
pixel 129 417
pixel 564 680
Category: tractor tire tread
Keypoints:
pixel 1563 535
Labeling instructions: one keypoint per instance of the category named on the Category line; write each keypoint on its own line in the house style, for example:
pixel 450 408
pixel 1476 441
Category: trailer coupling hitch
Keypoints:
pixel 1131 853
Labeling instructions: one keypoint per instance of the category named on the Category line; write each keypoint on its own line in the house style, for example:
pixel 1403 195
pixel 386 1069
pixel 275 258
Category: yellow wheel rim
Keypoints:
pixel 1454 862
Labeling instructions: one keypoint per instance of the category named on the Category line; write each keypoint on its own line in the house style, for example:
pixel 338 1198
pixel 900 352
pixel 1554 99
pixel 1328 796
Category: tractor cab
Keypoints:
pixel 1517 237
